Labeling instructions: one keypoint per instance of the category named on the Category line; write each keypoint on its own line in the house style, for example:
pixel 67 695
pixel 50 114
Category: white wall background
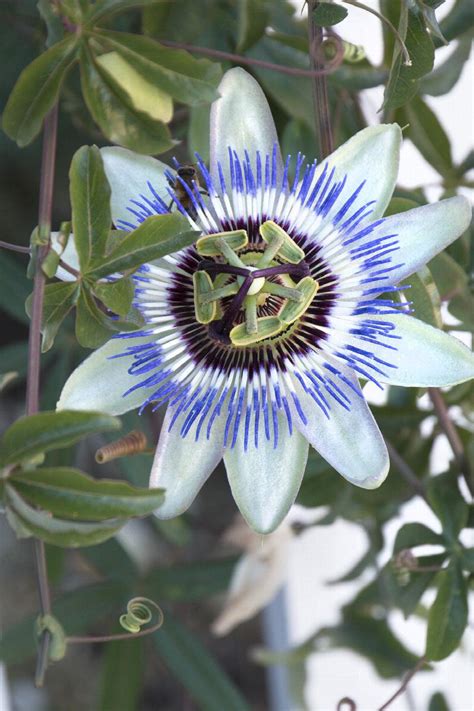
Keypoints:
pixel 324 553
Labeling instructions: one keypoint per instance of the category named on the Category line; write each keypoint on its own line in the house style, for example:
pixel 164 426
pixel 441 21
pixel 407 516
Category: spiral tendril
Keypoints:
pixel 139 614
pixel 133 443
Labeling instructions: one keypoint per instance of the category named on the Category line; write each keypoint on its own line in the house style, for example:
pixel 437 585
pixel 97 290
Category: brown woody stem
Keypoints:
pixel 34 352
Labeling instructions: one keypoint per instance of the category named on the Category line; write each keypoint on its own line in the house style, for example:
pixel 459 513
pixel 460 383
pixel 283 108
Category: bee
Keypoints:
pixel 186 176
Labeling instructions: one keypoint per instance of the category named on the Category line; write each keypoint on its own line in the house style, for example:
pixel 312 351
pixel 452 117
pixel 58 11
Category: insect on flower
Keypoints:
pixel 257 335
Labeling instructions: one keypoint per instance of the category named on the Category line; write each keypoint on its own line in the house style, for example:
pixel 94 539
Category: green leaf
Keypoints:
pixel 403 81
pixel 356 77
pixel 158 236
pixel 144 95
pixel 252 20
pixel 467 559
pixel 76 610
pixel 59 298
pixel 14 358
pixel 14 288
pixel 190 581
pixel 459 20
pixel 370 638
pixel 195 669
pixel 112 110
pixel 34 434
pixel 111 560
pixel 438 702
pixel 90 201
pixel 448 504
pixel 450 278
pixel 189 80
pixel 448 615
pixel 327 14
pixel 36 91
pixel 69 493
pixel 411 535
pixel 198 131
pixel 105 8
pixel 427 134
pixel 116 295
pixel 397 205
pixel 444 78
pixel 27 520
pixel 425 297
pixel 93 326
pixel 122 675
pixel 52 20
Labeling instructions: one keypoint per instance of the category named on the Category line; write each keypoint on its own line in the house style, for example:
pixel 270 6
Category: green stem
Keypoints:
pixel 319 84
pixel 382 18
pixel 452 435
pixel 34 352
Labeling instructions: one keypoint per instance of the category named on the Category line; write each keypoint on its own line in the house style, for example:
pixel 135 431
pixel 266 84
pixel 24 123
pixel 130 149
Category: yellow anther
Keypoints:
pixel 267 326
pixel 292 310
pixel 211 245
pixel 288 250
pixel 205 311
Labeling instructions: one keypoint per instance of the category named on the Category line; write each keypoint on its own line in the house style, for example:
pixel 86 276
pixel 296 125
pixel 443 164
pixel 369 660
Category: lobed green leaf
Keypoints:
pixel 28 521
pixel 123 666
pixel 448 504
pixel 196 670
pixel 158 236
pixel 114 113
pixel 403 81
pixel 444 78
pixel 189 80
pixel 252 21
pixel 411 535
pixel 59 299
pixel 116 295
pixel 71 494
pixel 425 297
pixel 327 14
pixel 34 434
pixel 102 9
pixel 36 91
pixel 427 134
pixel 90 202
pixel 448 615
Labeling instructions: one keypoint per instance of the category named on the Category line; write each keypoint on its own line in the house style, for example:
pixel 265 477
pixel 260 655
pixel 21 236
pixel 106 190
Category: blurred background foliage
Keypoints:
pixel 157 101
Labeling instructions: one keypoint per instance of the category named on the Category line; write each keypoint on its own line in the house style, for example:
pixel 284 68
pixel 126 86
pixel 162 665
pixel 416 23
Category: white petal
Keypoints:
pixel 425 356
pixel 240 118
pixel 423 232
pixel 265 479
pixel 128 174
pixel 69 257
pixel 99 383
pixel 372 155
pixel 349 440
pixel 182 464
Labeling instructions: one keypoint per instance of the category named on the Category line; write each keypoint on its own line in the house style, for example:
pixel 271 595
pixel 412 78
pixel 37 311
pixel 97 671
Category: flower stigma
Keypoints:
pixel 249 278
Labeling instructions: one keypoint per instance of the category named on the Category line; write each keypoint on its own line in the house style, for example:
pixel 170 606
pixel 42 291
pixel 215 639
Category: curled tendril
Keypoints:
pixel 133 443
pixel 346 704
pixel 138 614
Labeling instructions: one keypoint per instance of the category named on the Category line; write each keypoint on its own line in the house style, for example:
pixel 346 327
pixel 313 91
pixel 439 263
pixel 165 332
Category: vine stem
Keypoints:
pixel 405 470
pixel 34 352
pixel 408 677
pixel 313 73
pixel 319 84
pixel 452 435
